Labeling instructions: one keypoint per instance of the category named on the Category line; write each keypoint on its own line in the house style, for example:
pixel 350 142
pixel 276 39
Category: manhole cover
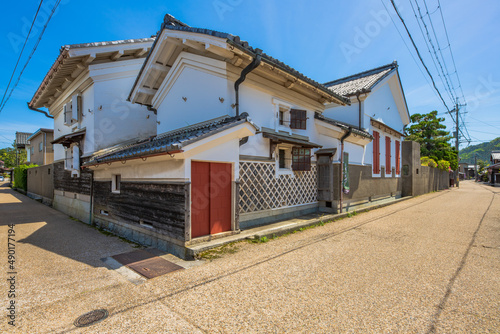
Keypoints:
pixel 91 318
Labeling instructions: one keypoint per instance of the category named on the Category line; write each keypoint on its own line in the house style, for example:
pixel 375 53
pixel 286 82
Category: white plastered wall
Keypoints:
pixel 115 119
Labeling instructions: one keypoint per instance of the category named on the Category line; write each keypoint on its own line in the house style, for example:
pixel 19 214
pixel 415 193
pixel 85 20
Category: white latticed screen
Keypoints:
pixel 261 190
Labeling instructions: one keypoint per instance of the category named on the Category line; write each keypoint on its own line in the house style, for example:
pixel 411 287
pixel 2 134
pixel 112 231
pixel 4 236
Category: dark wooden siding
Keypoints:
pixel 157 204
pixel 64 182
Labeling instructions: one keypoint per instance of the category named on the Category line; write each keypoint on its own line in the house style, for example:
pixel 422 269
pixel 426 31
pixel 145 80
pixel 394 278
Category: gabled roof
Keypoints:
pixel 171 23
pixel 361 82
pixel 74 59
pixel 40 131
pixel 168 142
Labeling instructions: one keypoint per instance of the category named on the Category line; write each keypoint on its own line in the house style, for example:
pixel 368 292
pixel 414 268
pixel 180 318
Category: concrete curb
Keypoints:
pixel 283 227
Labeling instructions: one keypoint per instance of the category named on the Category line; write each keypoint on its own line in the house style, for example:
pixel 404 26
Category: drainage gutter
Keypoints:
pixel 253 65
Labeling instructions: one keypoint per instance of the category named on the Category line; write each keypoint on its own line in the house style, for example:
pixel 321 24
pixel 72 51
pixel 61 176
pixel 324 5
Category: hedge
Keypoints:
pixel 21 176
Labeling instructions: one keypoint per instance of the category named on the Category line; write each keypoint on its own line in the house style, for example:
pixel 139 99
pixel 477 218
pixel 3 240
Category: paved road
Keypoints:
pixel 428 264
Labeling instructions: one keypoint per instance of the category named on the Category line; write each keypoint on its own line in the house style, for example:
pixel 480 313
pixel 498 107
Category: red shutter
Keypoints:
pixel 398 158
pixel 376 152
pixel 388 155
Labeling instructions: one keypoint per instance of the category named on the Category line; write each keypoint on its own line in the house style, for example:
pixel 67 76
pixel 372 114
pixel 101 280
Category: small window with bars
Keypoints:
pixel 281 159
pixel 298 119
pixel 281 117
pixel 301 159
pixel 116 183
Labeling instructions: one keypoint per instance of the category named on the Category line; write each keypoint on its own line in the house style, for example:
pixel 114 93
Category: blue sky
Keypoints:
pixel 325 40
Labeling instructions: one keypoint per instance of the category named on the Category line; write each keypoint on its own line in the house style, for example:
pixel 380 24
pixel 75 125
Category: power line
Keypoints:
pixel 427 42
pixel 22 50
pixel 457 120
pixel 451 53
pixel 31 54
pixel 439 46
pixel 420 57
pixel 409 51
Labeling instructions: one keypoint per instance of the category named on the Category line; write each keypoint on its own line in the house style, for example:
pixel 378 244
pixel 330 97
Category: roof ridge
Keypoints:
pixel 394 64
pixel 172 23
pixel 104 43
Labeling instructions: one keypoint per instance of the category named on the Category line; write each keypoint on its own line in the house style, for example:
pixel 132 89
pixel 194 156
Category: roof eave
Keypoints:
pixel 334 96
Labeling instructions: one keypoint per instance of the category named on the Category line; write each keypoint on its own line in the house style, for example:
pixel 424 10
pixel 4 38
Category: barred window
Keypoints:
pixel 281 117
pixel 298 119
pixel 282 163
pixel 301 159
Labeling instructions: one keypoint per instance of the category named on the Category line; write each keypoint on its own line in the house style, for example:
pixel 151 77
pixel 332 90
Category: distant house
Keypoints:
pixel 39 148
pixel 20 144
pixel 378 107
pixel 494 168
pixel 495 157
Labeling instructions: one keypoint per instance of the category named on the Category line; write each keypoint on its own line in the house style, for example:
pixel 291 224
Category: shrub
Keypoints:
pixel 21 176
pixel 426 161
pixel 443 165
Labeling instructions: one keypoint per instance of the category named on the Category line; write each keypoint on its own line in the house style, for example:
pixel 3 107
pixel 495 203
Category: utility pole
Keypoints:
pixel 475 166
pixel 457 177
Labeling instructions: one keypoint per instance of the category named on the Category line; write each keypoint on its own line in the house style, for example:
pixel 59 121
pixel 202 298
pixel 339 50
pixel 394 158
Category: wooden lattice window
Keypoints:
pixel 298 119
pixel 376 152
pixel 301 159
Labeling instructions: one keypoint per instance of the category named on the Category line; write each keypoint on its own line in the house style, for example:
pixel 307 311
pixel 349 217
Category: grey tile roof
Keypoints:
pixel 105 43
pixel 284 137
pixel 360 82
pixel 168 141
pixel 495 155
pixel 172 23
pixel 22 139
pixel 342 125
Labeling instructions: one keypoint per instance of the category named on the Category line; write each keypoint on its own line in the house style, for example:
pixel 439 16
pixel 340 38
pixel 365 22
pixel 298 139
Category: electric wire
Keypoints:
pixel 420 57
pixel 409 51
pixel 427 42
pixel 32 53
pixel 21 53
pixel 451 52
pixel 438 45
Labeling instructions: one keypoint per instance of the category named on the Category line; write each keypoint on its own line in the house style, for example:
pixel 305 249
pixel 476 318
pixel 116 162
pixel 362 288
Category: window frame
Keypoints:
pixel 301 158
pixel 376 152
pixel 398 157
pixel 388 156
pixel 287 148
pixel 298 119
pixel 116 180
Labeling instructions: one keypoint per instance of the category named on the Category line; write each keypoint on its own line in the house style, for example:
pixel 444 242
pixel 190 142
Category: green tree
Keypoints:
pixel 428 131
pixel 8 156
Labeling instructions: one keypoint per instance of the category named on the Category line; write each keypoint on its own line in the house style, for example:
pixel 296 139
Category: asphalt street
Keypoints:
pixel 430 264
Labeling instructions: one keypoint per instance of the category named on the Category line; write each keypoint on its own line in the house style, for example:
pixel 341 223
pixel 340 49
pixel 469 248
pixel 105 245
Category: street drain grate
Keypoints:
pixel 91 318
pixel 146 264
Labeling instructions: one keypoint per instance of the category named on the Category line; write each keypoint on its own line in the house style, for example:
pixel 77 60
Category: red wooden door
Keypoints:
pixel 200 192
pixel 211 198
pixel 220 197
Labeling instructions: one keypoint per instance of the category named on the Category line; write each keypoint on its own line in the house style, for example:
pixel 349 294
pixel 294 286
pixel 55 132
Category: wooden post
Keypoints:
pixel 187 211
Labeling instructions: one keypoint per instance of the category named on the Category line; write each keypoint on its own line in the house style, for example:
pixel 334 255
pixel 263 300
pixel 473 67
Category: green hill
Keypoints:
pixel 483 151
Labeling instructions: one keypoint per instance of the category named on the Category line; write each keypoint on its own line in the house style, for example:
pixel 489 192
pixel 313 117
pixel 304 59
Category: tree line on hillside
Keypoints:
pixel 482 151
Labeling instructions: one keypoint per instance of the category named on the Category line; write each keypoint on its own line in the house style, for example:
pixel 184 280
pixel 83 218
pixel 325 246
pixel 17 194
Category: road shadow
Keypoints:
pixel 46 228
